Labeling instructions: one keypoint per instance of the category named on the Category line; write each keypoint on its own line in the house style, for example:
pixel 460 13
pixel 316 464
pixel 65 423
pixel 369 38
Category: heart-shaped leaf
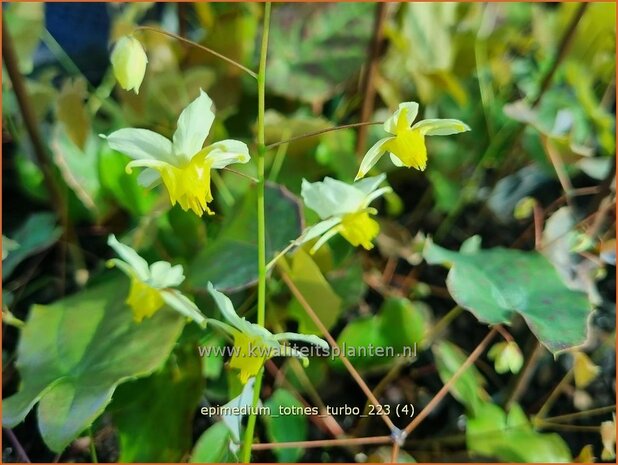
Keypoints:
pixel 314 47
pixel 173 394
pixel 230 261
pixel 73 353
pixel 286 426
pixel 496 283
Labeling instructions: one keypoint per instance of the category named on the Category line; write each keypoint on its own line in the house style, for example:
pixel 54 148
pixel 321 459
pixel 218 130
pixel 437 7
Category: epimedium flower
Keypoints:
pixel 344 209
pixel 182 164
pixel 254 344
pixel 506 357
pixel 129 63
pixel 152 286
pixel 406 144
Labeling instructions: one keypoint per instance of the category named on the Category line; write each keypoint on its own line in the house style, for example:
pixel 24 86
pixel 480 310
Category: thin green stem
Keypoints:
pixel 261 214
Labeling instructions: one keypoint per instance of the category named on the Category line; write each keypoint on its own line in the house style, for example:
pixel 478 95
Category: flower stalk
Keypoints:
pixel 261 217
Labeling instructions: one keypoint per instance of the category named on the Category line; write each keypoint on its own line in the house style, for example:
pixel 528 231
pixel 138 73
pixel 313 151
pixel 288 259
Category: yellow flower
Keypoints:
pixel 182 164
pixel 129 63
pixel 359 229
pixel 506 357
pixel 344 209
pixel 244 360
pixel 407 144
pixel 152 285
pixel 254 344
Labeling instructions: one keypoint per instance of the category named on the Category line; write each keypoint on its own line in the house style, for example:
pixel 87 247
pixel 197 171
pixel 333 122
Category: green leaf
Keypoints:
pixel 72 354
pixel 123 187
pixel 213 446
pixel 230 261
pixel 315 48
pixel 311 283
pixel 285 427
pixel 468 389
pixel 26 23
pixel 509 437
pixel 171 397
pixel 37 234
pixel 495 283
pixel 398 327
pixel 79 168
pixel 336 151
pixel 71 111
pixel 347 282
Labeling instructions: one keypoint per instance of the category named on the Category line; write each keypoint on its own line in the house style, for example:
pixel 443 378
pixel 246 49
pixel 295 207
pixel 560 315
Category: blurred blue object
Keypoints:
pixel 82 30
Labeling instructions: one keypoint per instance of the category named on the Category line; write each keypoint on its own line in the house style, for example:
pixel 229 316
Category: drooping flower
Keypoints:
pixel 407 144
pixel 344 209
pixel 182 164
pixel 254 344
pixel 129 63
pixel 506 357
pixel 152 286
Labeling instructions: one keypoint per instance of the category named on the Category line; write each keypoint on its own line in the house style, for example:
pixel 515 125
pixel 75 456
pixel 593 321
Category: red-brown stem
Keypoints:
pixel 333 343
pixel 323 443
pixel 539 216
pixel 395 452
pixel 369 89
pixel 322 131
pixel 433 403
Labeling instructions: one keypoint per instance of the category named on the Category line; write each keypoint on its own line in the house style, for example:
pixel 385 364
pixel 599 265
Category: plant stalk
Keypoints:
pixel 261 217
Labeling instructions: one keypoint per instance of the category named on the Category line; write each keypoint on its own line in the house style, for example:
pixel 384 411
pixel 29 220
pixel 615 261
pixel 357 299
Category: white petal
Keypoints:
pixel 319 229
pixel 141 144
pixel 411 109
pixel 146 164
pixel 331 197
pixel 287 351
pixel 122 265
pixel 395 159
pixel 163 274
pixel 149 178
pixel 368 185
pixel 227 310
pixel 193 126
pixel 183 305
pixel 441 127
pixel 309 338
pixel 244 399
pixel 324 239
pixel 372 157
pixel 226 152
pixel 131 257
pixel 375 194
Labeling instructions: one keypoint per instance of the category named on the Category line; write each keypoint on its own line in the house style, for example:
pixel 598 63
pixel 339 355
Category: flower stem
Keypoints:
pixel 195 44
pixel 261 217
pixel 322 131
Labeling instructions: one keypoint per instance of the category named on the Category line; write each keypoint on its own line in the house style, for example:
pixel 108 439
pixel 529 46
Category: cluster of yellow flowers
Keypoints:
pixel 184 167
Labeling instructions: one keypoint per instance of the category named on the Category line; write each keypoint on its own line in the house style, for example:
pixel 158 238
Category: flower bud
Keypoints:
pixel 129 62
pixel 506 357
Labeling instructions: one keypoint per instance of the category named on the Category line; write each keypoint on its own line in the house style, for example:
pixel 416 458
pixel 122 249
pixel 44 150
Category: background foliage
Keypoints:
pixel 521 209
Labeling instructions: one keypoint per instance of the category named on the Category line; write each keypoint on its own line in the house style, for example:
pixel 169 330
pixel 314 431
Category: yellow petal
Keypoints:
pixel 249 356
pixel 409 146
pixel 586 455
pixel 359 229
pixel 143 300
pixel 189 185
pixel 584 370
